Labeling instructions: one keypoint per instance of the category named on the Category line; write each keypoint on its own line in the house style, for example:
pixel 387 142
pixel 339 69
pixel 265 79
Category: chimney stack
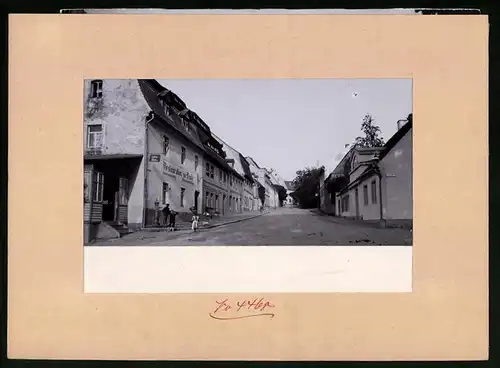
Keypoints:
pixel 401 123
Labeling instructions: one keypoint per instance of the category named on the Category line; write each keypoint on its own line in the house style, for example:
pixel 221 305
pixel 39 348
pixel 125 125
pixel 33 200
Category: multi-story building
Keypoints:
pixel 243 190
pixel 143 148
pixel 263 177
pixel 175 154
pixel 115 116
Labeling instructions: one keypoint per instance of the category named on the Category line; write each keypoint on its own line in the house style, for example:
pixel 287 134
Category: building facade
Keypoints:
pixel 143 149
pixel 378 183
pixel 115 114
pixel 175 156
pixel 263 178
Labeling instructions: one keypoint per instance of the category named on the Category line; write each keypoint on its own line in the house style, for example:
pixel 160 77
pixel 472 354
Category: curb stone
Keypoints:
pixel 182 231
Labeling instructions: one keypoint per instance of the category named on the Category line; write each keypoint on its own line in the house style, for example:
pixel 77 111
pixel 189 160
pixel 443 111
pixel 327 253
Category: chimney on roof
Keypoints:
pixel 401 123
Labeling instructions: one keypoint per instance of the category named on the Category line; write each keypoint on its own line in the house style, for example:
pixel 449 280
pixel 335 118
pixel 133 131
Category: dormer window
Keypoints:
pixel 96 89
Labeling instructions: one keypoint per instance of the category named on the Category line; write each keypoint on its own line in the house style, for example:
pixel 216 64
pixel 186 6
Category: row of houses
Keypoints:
pixel 373 184
pixel 144 148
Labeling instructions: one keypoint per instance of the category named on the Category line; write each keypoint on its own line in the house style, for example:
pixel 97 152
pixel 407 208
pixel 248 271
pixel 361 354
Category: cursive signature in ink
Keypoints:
pixel 245 308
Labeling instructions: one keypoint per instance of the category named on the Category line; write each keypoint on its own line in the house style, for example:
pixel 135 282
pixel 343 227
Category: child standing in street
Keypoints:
pixel 194 222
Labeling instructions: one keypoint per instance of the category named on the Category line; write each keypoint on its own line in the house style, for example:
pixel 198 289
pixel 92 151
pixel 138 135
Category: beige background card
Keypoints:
pixel 444 317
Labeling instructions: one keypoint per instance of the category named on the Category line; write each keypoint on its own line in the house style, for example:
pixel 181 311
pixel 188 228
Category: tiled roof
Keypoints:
pixel 151 89
pixel 289 185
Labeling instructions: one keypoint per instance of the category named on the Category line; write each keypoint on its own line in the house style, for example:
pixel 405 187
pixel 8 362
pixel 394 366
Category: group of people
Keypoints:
pixel 169 218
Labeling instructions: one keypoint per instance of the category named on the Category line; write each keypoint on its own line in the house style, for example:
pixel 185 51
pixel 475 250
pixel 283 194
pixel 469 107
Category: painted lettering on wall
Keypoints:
pixel 172 170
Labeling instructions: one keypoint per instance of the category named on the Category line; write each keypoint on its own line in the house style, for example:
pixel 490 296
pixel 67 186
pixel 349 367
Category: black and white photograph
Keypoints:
pixel 247 162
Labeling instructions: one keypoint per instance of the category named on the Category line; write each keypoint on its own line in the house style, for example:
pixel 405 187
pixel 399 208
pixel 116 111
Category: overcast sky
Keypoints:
pixel 288 124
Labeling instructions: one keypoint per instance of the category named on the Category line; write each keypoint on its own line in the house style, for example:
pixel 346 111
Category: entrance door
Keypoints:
pixel 357 203
pixel 121 202
pixel 196 195
pixel 109 194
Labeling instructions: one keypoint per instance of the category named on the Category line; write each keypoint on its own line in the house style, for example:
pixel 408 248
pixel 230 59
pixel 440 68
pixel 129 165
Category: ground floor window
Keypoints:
pixel 87 180
pixel 183 191
pixel 345 203
pixel 365 194
pixel 374 192
pixel 98 186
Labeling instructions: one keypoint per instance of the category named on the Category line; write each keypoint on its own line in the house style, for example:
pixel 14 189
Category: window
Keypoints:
pixel 220 175
pixel 196 163
pixel 183 155
pixel 183 190
pixel 212 200
pixel 225 178
pixel 98 187
pixel 166 144
pixel 345 204
pixel 374 192
pixel 212 169
pixel 164 193
pixel 217 202
pixel 207 196
pixel 230 180
pixel 94 136
pixel 86 186
pixel 96 89
pixel 365 194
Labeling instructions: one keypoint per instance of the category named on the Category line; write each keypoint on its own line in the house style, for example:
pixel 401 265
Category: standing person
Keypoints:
pixel 166 214
pixel 172 220
pixel 195 219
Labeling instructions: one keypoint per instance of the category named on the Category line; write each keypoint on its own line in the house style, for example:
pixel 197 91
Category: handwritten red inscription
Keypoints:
pixel 227 310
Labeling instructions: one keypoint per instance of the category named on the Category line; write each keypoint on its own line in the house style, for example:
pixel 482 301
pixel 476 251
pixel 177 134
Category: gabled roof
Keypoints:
pixel 289 185
pixel 252 161
pixel 396 138
pixel 151 89
pixel 246 168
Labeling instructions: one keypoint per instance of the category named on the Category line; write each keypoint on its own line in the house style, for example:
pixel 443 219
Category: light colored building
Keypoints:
pixel 244 190
pixel 290 201
pixel 379 182
pixel 143 148
pixel 175 155
pixel 115 115
pixel 262 175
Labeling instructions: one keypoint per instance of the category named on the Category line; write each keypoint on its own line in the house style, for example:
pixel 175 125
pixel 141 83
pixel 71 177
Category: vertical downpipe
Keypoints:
pixel 382 222
pixel 146 172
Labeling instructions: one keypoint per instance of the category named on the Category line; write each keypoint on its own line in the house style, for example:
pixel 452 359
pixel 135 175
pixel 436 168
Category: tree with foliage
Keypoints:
pixel 371 133
pixel 262 194
pixel 306 185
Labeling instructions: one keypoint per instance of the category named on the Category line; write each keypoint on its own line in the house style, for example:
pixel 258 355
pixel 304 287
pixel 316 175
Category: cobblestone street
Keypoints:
pixel 284 226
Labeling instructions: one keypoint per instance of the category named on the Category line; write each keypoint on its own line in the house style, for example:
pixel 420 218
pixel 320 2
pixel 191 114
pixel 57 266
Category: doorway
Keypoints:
pixel 109 198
